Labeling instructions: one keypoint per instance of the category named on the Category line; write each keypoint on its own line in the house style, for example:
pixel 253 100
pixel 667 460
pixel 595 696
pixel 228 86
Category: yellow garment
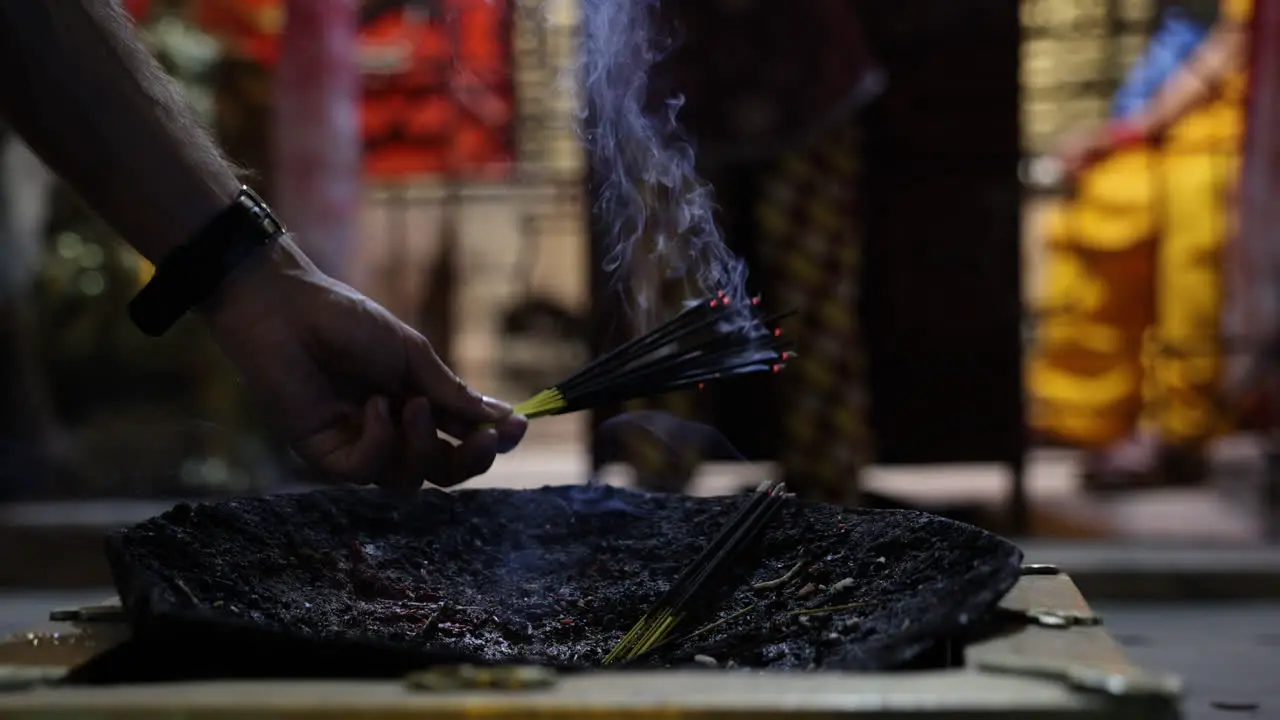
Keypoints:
pixel 1129 316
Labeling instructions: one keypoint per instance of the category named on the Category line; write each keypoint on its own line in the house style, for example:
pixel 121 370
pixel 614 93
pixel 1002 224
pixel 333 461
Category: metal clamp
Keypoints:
pixel 90 613
pixel 1061 619
pixel 1131 683
pixel 16 678
pixel 1125 683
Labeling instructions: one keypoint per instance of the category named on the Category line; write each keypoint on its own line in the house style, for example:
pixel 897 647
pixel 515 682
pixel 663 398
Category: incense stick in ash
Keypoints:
pixel 702 578
pixel 707 341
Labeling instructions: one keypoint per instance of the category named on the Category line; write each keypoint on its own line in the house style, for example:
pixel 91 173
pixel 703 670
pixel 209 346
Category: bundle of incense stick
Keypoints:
pixel 702 580
pixel 708 340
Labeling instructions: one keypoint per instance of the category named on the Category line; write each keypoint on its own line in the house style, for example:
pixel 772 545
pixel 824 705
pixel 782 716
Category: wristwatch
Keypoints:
pixel 192 272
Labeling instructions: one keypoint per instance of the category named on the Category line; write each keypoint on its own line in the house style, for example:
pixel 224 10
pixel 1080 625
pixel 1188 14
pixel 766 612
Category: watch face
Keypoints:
pixel 260 216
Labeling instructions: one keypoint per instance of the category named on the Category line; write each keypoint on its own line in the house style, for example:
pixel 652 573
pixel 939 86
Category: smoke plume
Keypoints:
pixel 657 212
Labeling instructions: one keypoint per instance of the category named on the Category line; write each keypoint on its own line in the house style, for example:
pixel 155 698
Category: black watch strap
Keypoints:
pixel 191 273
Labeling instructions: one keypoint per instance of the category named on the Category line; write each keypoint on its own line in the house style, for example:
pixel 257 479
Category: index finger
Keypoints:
pixel 446 391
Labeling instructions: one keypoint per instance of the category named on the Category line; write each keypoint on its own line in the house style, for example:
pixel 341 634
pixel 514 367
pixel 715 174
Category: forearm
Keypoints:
pixel 1199 79
pixel 83 92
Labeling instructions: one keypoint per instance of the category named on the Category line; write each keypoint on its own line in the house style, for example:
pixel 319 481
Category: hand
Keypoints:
pixel 1081 147
pixel 358 394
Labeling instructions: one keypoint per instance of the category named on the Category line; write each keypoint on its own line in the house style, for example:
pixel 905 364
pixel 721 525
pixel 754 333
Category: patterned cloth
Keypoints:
pixel 811 252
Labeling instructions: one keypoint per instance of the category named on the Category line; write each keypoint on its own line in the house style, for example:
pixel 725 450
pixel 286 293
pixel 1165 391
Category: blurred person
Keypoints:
pixel 359 395
pixel 1127 354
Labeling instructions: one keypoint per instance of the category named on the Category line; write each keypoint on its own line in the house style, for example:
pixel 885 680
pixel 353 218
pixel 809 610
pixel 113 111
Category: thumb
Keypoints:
pixel 447 391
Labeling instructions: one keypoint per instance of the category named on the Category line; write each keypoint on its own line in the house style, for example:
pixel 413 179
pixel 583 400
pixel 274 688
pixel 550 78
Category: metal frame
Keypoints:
pixel 1058 663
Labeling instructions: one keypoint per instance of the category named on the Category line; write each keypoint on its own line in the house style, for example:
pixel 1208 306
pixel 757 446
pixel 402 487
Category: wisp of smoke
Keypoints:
pixel 656 210
pixel 682 443
pixel 596 498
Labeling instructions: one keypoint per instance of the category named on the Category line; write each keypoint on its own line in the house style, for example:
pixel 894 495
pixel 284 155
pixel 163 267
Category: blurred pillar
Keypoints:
pixel 317 139
pixel 1252 272
pixel 1251 318
pixel 27 420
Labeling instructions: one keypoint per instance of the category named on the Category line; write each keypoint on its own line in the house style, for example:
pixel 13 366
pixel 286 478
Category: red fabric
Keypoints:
pixel 447 110
pixel 450 110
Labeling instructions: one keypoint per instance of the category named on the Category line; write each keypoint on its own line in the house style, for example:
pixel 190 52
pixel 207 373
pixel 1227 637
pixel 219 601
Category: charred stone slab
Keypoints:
pixel 344 583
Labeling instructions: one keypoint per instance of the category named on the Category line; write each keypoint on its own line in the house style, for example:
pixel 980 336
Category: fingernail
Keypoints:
pixel 383 407
pixel 497 407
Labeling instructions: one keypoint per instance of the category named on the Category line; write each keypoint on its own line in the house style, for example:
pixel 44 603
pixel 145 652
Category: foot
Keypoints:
pixel 1137 454
pixel 1124 465
pixel 1143 461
